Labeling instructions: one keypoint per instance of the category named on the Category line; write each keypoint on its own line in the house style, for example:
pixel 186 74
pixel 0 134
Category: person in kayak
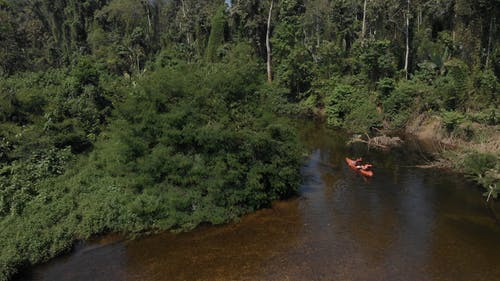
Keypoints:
pixel 358 163
pixel 366 167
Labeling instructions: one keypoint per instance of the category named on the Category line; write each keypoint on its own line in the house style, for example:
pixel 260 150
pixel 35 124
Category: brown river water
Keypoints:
pixel 402 224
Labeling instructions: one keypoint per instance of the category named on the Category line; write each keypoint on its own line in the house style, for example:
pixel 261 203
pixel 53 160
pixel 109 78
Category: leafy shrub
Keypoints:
pixel 454 87
pixel 20 180
pixel 363 116
pixel 216 38
pixel 401 100
pixel 487 116
pixel 485 90
pixel 376 59
pixel 351 108
pixel 484 168
pixel 385 86
pixel 308 105
pixel 188 145
pixel 331 59
pixel 477 163
pixel 338 105
pixel 452 119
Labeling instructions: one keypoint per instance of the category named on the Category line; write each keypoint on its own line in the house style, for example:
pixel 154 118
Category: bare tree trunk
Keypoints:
pixel 490 38
pixel 419 19
pixel 148 13
pixel 318 39
pixel 138 63
pixel 407 57
pixel 268 45
pixel 309 48
pixel 184 14
pixel 454 33
pixel 149 20
pixel 363 29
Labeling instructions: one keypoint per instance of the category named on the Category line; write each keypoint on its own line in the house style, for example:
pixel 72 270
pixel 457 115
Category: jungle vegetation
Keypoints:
pixel 142 115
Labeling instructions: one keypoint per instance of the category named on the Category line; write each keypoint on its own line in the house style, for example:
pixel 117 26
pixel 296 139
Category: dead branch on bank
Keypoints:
pixel 381 142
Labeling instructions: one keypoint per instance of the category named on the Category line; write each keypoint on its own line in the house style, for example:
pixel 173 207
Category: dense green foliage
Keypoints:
pixel 187 145
pixel 217 34
pixel 483 168
pixel 131 115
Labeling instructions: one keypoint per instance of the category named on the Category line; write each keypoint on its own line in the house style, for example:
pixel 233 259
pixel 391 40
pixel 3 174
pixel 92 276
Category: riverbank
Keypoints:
pixel 466 147
pixel 470 148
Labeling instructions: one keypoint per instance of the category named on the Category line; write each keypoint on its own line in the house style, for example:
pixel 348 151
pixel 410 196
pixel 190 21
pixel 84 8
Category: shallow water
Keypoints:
pixel 402 224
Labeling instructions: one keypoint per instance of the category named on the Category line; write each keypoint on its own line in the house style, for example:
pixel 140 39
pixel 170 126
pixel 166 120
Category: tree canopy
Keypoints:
pixel 144 115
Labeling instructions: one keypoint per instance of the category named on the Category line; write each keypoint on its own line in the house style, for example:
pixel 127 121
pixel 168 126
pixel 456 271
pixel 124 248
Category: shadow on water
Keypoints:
pixel 402 224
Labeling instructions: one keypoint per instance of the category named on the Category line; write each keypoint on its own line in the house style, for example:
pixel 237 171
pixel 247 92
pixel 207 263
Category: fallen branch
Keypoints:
pixel 382 142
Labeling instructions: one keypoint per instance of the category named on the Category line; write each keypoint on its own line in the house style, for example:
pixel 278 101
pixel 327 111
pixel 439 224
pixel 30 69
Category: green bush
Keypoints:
pixel 216 38
pixel 351 108
pixel 477 163
pixel 485 90
pixel 385 86
pixel 337 104
pixel 376 59
pixel 452 120
pixel 484 168
pixel 454 87
pixel 363 116
pixel 189 145
pixel 407 96
pixel 487 117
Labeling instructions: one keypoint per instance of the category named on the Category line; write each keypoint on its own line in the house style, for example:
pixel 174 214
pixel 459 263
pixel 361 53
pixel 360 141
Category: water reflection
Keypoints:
pixel 228 252
pixel 403 224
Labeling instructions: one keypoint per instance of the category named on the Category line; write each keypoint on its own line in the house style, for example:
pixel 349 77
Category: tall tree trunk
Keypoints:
pixel 363 29
pixel 318 35
pixel 184 14
pixel 268 45
pixel 147 8
pixel 407 57
pixel 490 38
pixel 455 23
pixel 149 19
pixel 419 19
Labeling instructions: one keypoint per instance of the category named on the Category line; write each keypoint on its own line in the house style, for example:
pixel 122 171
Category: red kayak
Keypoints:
pixel 365 169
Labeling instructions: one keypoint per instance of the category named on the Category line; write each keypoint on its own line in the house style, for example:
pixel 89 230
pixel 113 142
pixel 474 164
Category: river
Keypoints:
pixel 403 224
